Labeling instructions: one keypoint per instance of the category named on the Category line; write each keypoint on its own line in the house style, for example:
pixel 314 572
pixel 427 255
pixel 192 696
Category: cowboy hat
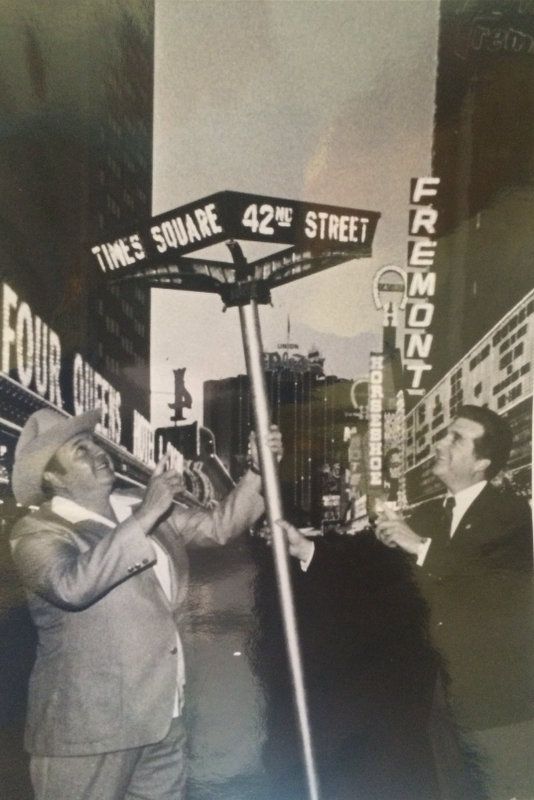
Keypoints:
pixel 44 432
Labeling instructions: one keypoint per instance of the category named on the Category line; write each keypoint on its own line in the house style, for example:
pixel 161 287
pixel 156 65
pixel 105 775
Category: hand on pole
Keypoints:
pixel 162 487
pixel 274 442
pixel 299 546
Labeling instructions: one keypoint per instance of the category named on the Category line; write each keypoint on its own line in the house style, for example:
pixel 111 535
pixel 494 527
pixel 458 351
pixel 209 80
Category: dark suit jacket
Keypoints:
pixel 479 587
pixel 105 673
pixel 368 670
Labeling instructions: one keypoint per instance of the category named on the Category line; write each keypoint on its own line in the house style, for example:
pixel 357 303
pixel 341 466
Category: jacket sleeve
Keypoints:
pixel 237 512
pixel 54 567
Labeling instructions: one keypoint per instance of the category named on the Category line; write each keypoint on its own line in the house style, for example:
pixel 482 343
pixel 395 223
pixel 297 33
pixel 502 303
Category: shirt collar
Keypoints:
pixel 74 512
pixel 465 497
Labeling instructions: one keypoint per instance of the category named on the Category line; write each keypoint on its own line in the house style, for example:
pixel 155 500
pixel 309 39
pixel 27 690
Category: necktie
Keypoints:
pixel 448 508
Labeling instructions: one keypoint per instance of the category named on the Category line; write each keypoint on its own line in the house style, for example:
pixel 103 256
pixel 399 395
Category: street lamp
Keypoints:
pixel 159 253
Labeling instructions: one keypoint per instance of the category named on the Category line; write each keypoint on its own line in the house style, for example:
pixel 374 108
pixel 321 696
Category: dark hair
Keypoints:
pixel 52 465
pixel 496 441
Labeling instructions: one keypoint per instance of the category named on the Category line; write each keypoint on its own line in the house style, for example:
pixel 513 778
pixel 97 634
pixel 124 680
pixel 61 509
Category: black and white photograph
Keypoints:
pixel 266 399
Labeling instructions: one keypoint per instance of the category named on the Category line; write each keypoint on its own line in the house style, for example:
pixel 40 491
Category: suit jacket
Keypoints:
pixel 106 667
pixel 368 669
pixel 479 587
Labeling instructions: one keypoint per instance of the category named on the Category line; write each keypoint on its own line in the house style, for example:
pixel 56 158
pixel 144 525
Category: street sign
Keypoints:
pixel 316 236
pixel 306 238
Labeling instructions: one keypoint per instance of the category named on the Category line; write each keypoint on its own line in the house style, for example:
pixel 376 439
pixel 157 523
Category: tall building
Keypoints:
pixel 75 162
pixel 496 372
pixel 484 156
pixel 75 166
pixel 309 407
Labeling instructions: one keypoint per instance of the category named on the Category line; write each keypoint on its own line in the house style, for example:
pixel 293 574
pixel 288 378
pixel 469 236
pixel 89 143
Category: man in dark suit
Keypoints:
pixel 473 551
pixel 106 577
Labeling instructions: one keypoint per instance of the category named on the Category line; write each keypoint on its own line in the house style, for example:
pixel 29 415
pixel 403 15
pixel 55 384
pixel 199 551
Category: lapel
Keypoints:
pixel 87 532
pixel 446 553
pixel 172 572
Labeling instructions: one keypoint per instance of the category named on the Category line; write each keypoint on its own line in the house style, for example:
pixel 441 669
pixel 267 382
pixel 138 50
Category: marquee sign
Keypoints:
pixel 308 236
pixel 421 282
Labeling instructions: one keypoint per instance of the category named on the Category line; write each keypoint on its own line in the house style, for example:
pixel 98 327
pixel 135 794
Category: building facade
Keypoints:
pixel 76 160
pixel 483 154
pixel 497 373
pixel 310 409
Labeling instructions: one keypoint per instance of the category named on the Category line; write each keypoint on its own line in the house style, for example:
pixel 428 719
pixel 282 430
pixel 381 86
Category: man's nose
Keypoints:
pixel 441 445
pixel 95 448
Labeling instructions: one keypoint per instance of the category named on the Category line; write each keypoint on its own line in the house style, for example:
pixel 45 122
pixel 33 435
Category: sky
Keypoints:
pixel 327 102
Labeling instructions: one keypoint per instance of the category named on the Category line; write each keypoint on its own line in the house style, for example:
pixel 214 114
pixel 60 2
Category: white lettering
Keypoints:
pixel 54 367
pixel 422 254
pixel 422 284
pixel 419 345
pixel 424 187
pixel 212 218
pixel 137 247
pixel 156 234
pixel 24 332
pixel 417 370
pixel 420 315
pixel 10 302
pixel 310 227
pixel 91 390
pixel 377 362
pixel 424 218
pixel 334 227
pixel 41 357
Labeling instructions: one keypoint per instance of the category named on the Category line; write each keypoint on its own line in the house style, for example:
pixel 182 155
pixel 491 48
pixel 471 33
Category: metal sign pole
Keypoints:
pixel 308 238
pixel 250 329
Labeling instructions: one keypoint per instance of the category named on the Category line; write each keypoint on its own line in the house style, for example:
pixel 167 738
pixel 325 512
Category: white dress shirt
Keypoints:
pixel 463 500
pixel 122 506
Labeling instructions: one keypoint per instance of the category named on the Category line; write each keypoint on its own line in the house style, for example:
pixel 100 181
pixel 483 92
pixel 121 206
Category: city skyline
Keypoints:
pixel 304 101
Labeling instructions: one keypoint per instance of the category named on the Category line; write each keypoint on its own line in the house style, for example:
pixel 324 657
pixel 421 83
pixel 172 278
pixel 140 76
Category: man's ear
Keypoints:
pixel 483 465
pixel 53 480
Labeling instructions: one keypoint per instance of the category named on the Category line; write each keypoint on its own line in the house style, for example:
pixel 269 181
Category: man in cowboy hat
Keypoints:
pixel 106 578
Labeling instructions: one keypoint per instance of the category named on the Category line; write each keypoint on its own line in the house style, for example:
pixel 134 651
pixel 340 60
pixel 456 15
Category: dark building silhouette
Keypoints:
pixel 483 153
pixel 76 92
pixel 310 409
pixel 75 167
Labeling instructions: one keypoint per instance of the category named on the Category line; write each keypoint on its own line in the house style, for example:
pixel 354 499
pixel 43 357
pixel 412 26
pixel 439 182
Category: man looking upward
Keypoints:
pixel 473 557
pixel 474 551
pixel 106 577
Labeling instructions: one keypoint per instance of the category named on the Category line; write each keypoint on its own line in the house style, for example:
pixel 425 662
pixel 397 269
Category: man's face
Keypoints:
pixel 456 463
pixel 85 466
pixel 395 465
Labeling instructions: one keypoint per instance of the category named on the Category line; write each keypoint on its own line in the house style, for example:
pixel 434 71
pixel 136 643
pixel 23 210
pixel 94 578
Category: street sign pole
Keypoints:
pixel 252 345
pixel 309 238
